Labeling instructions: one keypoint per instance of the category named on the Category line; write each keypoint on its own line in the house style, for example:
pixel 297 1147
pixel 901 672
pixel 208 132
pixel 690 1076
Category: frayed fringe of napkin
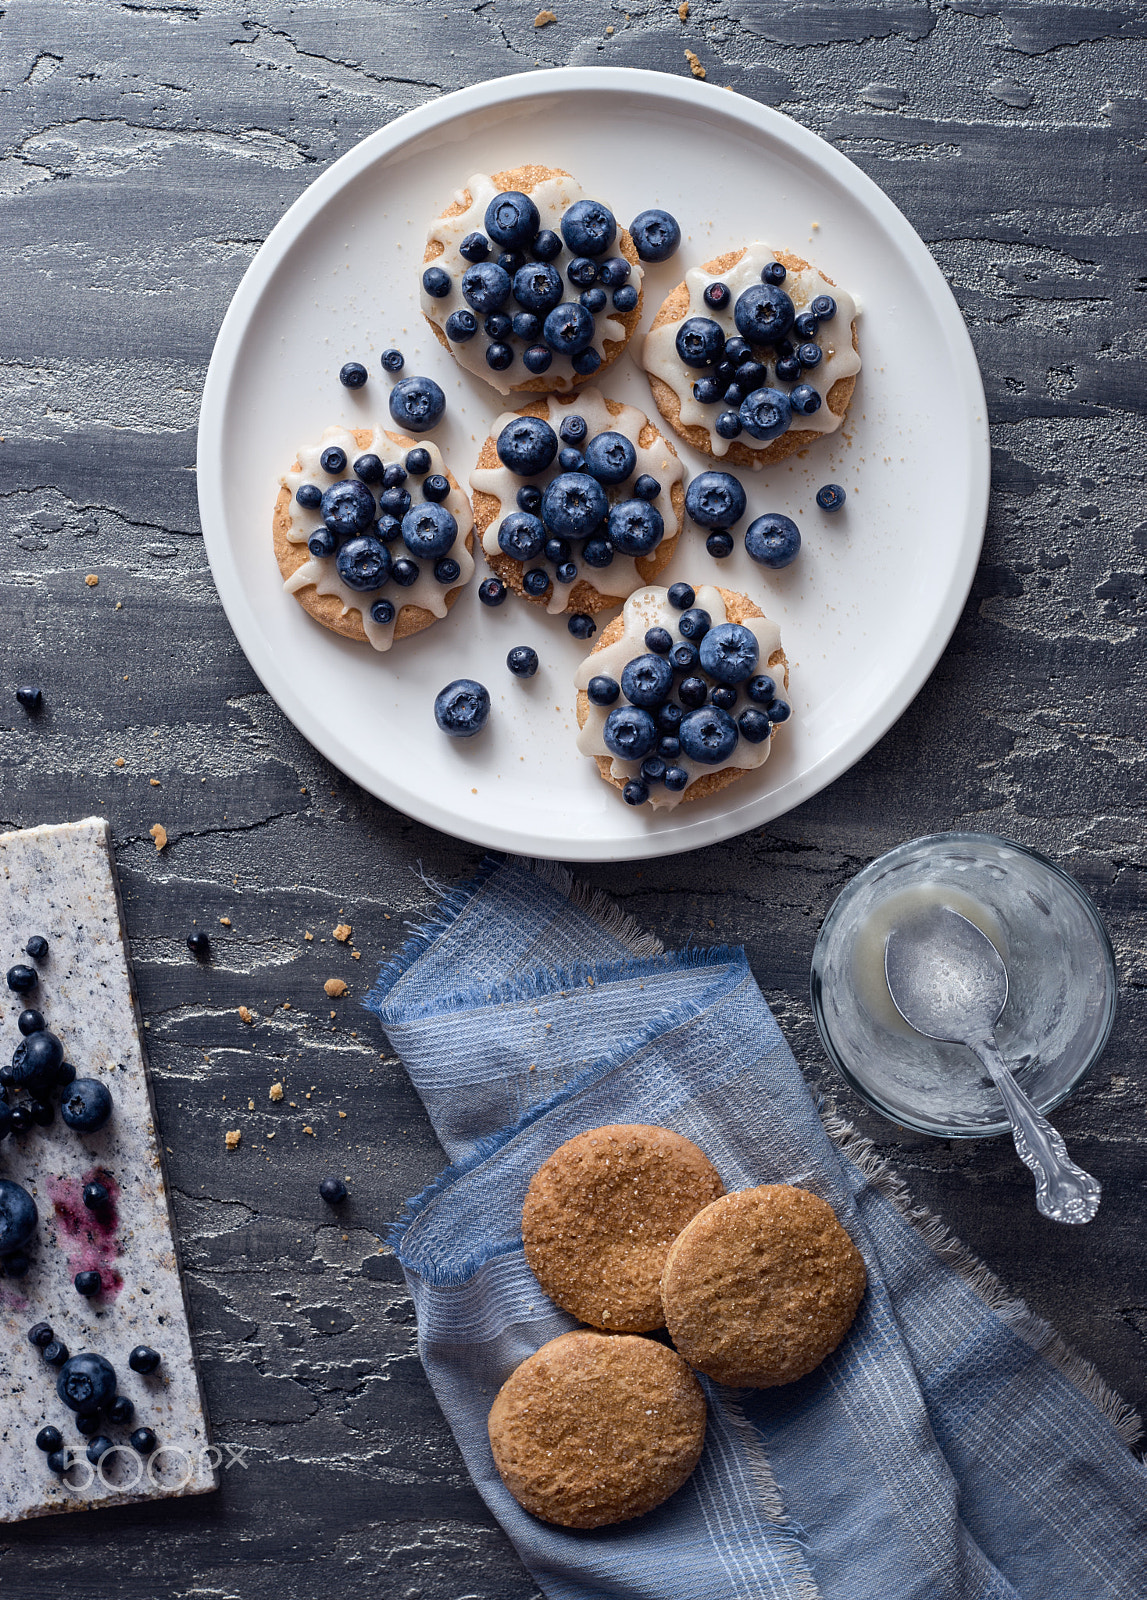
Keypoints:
pixel 1013 1311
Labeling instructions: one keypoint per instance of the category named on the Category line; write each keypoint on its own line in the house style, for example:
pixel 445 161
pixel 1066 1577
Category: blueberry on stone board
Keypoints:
pixel 602 691
pixel 474 247
pixel 700 342
pixel 5 1119
pixel 512 219
pixel 143 1441
pixel 18 1216
pixel 763 314
pixel 568 328
pixel 462 708
pixel 830 497
pixel 773 272
pixel 417 461
pixel 121 1409
pixel 436 282
pixel 492 592
pixel 766 413
pixel 58 1462
pixel 56 1353
pixel 417 404
pixel 333 1190
pixel 19 1119
pixel 382 613
pixel 352 375
pixel 98 1448
pixel 22 978
pixel 535 582
pixel 708 735
pixel 87 1105
pixel 522 661
pixel 773 540
pixel 527 445
pixel 581 625
pixel 429 530
pixel 635 792
pixel 49 1438
pixel 393 360
pixel 37 947
pixel 719 544
pixel 348 507
pixel 31 697
pixel 804 399
pixel 715 499
pixel 88 1284
pixel 681 596
pixel 30 1021
pixel 635 527
pixel 588 228
pixel 655 234
pixel 585 362
pixel 499 356
pixel 43 1114
pixel 40 1335
pixel 729 652
pixel 96 1196
pixel 460 326
pixel 537 358
pixel 629 733
pixel 87 1382
pixel 754 725
pixel 143 1359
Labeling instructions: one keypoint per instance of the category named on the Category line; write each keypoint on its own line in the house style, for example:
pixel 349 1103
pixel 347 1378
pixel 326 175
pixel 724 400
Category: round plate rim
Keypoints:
pixel 691 93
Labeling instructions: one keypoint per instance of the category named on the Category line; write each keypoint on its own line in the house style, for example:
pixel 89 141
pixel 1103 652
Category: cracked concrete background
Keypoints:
pixel 145 152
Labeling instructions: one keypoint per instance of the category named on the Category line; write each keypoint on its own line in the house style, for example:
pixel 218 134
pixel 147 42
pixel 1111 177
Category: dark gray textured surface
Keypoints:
pixel 145 152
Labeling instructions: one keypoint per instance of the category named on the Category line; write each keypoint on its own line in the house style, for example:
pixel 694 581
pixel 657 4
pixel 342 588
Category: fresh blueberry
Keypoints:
pixel 754 725
pixel 529 498
pixel 526 326
pixel 537 358
pixel 751 375
pixel 592 299
pixel 823 307
pixel 655 235
pixel 143 1359
pixel 88 1423
pixel 417 461
pixel 41 1053
pixel 585 362
pixel 779 711
pixel 804 400
pixel 56 1353
pixel 773 540
pixel 498 326
pixel 630 733
pixel 762 689
pixel 707 391
pixel 436 282
pixel 729 652
pixel 708 735
pixel 588 228
pixel 87 1105
pixel 121 1409
pixel 571 460
pixel 333 460
pixel 436 487
pixel 724 695
pixel 809 355
pixel 693 692
pixel 680 596
pixel 512 219
pixel 309 496
pixel 646 487
pixel 88 1284
pixel 738 350
pixel 521 536
pixel 719 544
pixel 333 1190
pixel 417 403
pixel 363 563
pixel 717 296
pixel 788 369
pixel 610 457
pixel 538 287
pixel 460 326
pixel 805 325
pixel 18 1216
pixel 40 1336
pixel 669 717
pixel 653 769
pixel 647 681
pixel 669 745
pixel 715 499
pixel 143 1441
pixel 547 245
pixel 393 360
pixel 387 529
pixel 733 395
pixel 582 271
pixel 728 425
pixel 766 413
pixel 43 1115
pixel 597 553
pixel 635 792
pixel 87 1381
pixel 322 543
pixel 763 314
pixel 49 1438
pixel 96 1196
pixel 353 375
pixel 395 501
pixel 22 978
pixel 98 1448
pixel 527 445
pixel 566 573
pixel 447 570
pixel 474 247
pixel 676 778
pixel 535 582
pixel 773 272
pixel 492 592
pixel 635 527
pixel 499 356
pixel 695 622
pixel 700 341
pixel 684 655
pixel 404 572
pixel 199 944
pixel 602 691
pixel 573 429
pixel 625 298
pixel 581 625
pixel 462 708
pixel 382 613
pixel 486 287
pixel 614 272
pixel 522 661
pixel 511 261
pixel 573 505
pixel 568 328
pixel 659 640
pixel 557 550
pixel 830 497
pixel 19 1120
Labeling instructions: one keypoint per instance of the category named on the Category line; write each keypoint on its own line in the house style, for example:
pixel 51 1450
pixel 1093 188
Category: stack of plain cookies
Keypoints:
pixel 629 1229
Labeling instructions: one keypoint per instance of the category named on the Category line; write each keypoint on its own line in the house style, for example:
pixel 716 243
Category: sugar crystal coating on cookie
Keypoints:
pixel 600 1215
pixel 534 290
pixel 680 693
pixel 753 351
pixel 594 1429
pixel 379 536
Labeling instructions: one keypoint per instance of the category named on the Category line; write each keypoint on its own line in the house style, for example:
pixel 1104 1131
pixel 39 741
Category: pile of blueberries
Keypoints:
pixel 514 286
pixel 717 500
pixel 736 370
pixel 87 1386
pixel 681 698
pixel 359 529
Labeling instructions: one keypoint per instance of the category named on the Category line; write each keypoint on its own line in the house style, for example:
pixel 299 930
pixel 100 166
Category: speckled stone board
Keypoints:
pixel 59 881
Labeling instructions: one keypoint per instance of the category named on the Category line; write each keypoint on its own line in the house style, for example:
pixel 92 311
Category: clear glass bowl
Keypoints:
pixel 1061 976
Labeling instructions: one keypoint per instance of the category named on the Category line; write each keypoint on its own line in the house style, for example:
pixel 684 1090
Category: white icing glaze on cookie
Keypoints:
pixel 553 197
pixel 426 592
pixel 660 357
pixel 650 608
pixel 660 461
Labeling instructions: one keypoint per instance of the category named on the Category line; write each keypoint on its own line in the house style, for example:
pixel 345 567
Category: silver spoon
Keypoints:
pixel 947 981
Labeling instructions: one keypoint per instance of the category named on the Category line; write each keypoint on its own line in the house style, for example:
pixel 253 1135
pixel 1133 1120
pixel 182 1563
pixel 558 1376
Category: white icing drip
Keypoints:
pixel 426 591
pixel 553 197
pixel 650 608
pixel 621 577
pixel 660 357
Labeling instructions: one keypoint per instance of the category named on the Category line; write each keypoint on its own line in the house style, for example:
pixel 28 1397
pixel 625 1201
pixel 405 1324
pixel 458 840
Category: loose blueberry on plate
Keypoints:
pixel 635 527
pixel 773 540
pixel 573 505
pixel 754 725
pixel 22 978
pixel 121 1409
pixel 527 445
pixel 86 1106
pixel 143 1441
pixel 512 219
pixel 573 429
pixel 461 326
pixel 96 1196
pixel 625 298
pixel 659 640
pixel 681 596
pixel 537 358
pixel 428 531
pixel 462 708
pixel 568 328
pixel 499 356
pixel 87 1381
pixel 393 360
pixel 715 499
pixel 98 1448
pixel 30 1021
pixel 773 272
pixel 334 1191
pixel 40 1335
pixel 655 234
pixel 708 735
pixel 728 425
pixel 804 399
pixel 405 572
pixel 830 497
pixel 647 681
pixel 695 622
pixel 719 544
pixel 610 457
pixel 49 1438
pixel 582 271
pixel 602 691
pixel 18 1216
pixel 700 342
pixel 522 661
pixel 729 652
pixel 88 1284
pixel 352 375
pixel 521 536
pixel 635 793
pixel 382 613
pixel 492 591
pixel 597 553
pixel 581 625
pixel 363 564
pixel 56 1353
pixel 585 362
pixel 447 570
pixel 588 228
pixel 763 314
pixel 143 1359
pixel 629 732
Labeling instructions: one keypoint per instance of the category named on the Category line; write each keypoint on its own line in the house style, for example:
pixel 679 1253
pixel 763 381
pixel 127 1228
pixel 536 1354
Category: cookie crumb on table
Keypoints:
pixel 695 66
pixel 334 987
pixel 225 922
pixel 276 1091
pixel 159 834
pixel 343 932
pixel 232 1137
pixel 309 937
pixel 118 762
pixel 544 18
pixel 245 1015
pixel 683 10
pixel 92 579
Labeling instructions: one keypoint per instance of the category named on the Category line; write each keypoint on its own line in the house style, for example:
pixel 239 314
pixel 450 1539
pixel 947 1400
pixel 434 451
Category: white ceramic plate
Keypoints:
pixel 866 609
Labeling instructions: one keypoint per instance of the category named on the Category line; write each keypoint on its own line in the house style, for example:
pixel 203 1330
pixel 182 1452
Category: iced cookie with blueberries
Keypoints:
pixel 529 283
pixel 578 501
pixel 753 355
pixel 682 694
pixel 373 535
